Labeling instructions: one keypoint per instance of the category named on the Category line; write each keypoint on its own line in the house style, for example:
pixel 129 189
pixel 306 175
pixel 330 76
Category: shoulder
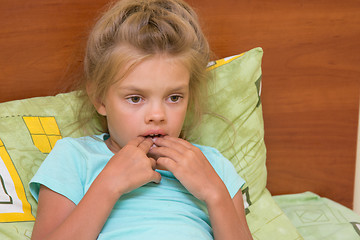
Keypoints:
pixel 81 140
pixel 74 151
pixel 86 143
pixel 69 150
pixel 67 165
pixel 207 149
pixel 210 153
pixel 224 168
pixel 216 159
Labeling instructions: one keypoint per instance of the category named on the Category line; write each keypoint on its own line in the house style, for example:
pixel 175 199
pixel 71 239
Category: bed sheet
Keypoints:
pixel 317 217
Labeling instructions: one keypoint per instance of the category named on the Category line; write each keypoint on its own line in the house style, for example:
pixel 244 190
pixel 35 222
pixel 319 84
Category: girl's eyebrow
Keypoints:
pixel 180 88
pixel 132 88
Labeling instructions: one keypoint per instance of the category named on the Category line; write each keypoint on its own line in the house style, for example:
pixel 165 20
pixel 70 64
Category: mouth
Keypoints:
pixel 153 136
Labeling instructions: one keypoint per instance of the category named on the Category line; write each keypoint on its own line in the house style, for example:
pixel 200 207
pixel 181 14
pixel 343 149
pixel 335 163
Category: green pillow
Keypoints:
pixel 235 127
pixel 29 129
pixel 235 123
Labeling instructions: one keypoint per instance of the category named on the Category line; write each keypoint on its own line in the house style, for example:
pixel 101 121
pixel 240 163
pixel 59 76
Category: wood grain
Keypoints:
pixel 39 40
pixel 311 70
pixel 310 87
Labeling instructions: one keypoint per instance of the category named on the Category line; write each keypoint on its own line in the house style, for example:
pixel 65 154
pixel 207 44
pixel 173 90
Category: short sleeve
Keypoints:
pixel 231 178
pixel 61 172
pixel 224 168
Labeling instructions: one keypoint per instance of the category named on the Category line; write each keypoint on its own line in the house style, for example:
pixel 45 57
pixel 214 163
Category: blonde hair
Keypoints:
pixel 133 30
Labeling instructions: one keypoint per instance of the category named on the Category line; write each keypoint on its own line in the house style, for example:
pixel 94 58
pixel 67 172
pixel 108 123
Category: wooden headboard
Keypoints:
pixel 311 70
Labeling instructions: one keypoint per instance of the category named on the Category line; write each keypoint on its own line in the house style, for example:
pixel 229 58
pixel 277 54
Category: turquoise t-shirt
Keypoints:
pixel 154 211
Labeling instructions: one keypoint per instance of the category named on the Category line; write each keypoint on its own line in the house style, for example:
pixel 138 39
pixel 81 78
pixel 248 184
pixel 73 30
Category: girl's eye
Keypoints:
pixel 175 98
pixel 134 99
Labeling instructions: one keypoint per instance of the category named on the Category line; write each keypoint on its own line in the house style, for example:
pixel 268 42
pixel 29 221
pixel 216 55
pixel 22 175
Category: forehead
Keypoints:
pixel 160 71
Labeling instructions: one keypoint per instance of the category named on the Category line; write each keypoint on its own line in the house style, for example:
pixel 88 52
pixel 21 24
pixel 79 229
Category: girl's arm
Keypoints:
pixel 60 218
pixel 193 170
pixel 227 217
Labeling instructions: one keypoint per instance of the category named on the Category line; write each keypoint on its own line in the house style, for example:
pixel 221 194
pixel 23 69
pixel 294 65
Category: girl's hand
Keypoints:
pixel 189 166
pixel 130 168
pixel 193 170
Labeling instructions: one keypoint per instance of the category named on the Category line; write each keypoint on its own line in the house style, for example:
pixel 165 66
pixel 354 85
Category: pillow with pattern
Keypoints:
pixel 29 129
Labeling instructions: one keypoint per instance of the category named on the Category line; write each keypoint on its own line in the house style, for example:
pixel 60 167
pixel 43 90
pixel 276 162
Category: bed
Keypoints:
pixel 294 73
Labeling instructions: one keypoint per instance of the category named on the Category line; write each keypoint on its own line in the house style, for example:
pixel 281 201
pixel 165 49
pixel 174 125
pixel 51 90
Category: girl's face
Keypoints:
pixel 151 101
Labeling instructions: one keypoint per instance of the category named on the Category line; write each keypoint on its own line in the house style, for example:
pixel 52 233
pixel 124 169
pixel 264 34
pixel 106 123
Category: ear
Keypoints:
pixel 98 103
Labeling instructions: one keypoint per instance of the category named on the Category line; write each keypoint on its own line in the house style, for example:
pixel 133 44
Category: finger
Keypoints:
pixel 166 141
pixel 156 177
pixel 145 145
pixel 166 163
pixel 136 141
pixel 185 143
pixel 153 163
pixel 180 141
pixel 172 153
pixel 179 144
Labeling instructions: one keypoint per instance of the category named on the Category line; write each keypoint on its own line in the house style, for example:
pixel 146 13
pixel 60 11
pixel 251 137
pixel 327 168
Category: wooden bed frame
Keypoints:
pixel 311 70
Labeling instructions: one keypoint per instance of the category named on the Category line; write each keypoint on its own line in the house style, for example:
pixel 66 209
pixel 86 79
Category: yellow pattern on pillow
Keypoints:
pixel 44 132
pixel 14 205
pixel 214 64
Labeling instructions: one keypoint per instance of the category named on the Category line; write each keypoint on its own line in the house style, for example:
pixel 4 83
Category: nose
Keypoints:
pixel 156 113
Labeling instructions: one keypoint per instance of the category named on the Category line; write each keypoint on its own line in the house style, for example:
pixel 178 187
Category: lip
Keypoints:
pixel 154 132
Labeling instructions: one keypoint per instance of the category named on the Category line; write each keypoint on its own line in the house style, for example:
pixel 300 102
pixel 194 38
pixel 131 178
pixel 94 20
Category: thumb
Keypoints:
pixel 156 177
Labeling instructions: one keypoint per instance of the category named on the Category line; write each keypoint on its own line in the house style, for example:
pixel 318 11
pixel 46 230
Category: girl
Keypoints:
pixel 145 69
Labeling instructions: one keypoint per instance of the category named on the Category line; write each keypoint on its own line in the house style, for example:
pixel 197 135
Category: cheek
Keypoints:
pixel 119 119
pixel 126 120
pixel 178 118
